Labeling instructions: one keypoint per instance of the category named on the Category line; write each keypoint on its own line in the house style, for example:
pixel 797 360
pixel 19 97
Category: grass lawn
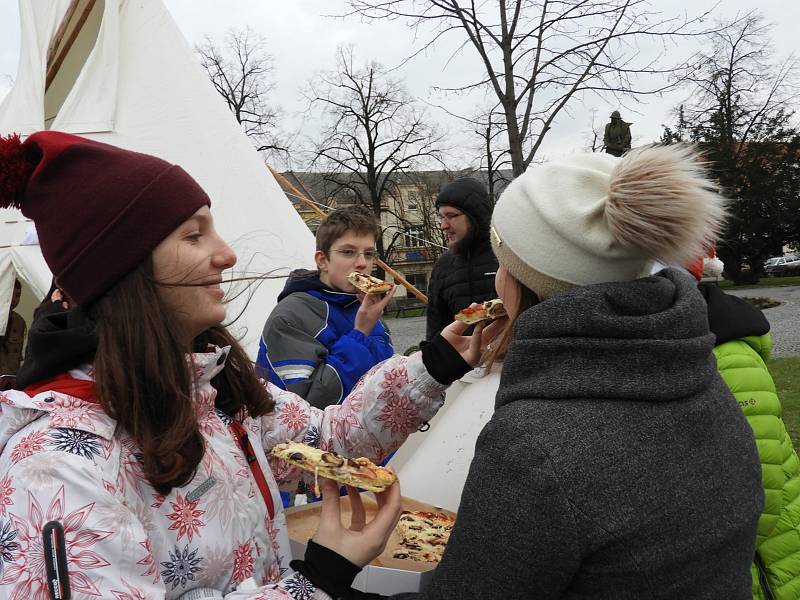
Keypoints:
pixel 763 282
pixel 786 373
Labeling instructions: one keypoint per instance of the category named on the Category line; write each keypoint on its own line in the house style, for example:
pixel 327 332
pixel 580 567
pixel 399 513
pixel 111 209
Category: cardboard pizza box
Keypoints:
pixel 384 575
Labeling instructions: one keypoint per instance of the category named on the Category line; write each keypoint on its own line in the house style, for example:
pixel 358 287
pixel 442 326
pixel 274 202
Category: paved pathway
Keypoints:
pixel 406 332
pixel 785 321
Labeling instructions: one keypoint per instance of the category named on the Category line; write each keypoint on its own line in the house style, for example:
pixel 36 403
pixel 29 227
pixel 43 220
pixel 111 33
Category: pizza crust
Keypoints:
pixel 359 472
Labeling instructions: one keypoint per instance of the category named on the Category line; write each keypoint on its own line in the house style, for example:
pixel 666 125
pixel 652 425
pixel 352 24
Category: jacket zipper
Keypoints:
pixel 250 457
pixel 762 578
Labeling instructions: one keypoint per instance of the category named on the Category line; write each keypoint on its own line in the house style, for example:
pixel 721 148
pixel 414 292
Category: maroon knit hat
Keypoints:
pixel 99 210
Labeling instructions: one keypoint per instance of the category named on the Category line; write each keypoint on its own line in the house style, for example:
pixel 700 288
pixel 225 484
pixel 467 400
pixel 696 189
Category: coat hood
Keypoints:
pixel 470 197
pixel 730 317
pixel 57 342
pixel 644 340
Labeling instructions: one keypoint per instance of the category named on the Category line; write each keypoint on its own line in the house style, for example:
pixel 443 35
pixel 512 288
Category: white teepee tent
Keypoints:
pixel 120 71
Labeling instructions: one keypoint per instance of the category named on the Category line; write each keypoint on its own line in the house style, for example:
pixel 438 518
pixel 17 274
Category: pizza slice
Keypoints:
pixel 491 309
pixel 369 284
pixel 423 535
pixel 359 472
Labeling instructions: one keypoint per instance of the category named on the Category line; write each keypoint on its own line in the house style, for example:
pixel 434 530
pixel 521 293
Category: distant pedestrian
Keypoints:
pixel 465 273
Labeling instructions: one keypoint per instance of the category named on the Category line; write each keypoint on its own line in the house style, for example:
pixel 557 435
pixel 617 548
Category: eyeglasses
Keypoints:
pixel 450 217
pixel 350 254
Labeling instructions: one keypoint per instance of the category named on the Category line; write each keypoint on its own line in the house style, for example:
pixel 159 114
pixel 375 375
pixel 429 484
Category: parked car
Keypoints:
pixel 771 261
pixel 783 265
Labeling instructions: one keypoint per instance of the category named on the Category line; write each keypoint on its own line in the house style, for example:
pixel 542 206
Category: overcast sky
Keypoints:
pixel 303 40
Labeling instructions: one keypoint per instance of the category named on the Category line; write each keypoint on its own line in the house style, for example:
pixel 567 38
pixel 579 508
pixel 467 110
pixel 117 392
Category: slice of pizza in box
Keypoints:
pixel 411 554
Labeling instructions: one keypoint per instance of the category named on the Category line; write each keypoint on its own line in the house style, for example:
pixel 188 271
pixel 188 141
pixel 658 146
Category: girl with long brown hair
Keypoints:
pixel 140 432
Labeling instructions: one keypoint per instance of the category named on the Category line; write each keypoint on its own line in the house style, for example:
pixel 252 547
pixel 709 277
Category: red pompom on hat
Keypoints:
pixel 706 266
pixel 99 210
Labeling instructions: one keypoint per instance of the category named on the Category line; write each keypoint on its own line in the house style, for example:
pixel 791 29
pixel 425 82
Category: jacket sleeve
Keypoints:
pixel 515 536
pixel 295 355
pixel 388 404
pixel 743 368
pixel 108 550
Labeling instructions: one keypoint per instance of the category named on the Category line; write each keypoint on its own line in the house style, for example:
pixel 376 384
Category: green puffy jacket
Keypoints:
pixel 776 570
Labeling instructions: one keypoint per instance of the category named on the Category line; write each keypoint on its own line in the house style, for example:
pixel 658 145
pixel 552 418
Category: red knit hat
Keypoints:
pixel 99 210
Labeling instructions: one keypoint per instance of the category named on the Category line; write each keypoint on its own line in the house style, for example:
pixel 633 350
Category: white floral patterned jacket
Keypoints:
pixel 63 459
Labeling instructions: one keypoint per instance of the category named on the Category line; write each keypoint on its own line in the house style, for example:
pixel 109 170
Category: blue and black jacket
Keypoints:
pixel 309 346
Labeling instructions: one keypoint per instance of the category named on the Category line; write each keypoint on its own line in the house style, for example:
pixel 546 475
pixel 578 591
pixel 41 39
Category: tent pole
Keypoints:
pixel 62 29
pixel 53 67
pixel 397 276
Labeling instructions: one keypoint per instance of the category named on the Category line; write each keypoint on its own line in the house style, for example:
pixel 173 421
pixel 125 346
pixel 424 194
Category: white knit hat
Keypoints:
pixel 594 218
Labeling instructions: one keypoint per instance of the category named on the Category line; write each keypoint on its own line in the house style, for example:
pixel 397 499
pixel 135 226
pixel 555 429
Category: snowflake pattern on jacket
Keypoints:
pixel 64 459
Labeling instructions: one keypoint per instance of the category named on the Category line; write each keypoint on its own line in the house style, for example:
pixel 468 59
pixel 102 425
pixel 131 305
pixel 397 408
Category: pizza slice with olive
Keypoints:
pixel 369 284
pixel 359 472
pixel 423 535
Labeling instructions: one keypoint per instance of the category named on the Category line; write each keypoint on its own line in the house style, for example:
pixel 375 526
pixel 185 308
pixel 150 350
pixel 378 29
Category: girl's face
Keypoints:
pixel 188 266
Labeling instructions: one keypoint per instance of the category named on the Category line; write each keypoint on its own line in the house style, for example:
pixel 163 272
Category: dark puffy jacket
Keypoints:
pixel 456 282
pixel 466 275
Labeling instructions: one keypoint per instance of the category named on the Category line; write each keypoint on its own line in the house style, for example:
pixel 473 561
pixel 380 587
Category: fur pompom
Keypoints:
pixel 662 203
pixel 15 171
pixel 713 267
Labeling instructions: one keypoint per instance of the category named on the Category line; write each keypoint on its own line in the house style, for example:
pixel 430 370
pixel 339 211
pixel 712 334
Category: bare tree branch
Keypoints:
pixel 373 135
pixel 242 73
pixel 539 56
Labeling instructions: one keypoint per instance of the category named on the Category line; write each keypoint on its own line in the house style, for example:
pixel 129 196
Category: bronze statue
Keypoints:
pixel 617 136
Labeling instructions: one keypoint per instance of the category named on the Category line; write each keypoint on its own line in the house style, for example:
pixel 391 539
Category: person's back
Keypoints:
pixel 465 273
pixel 320 339
pixel 626 468
pixel 742 350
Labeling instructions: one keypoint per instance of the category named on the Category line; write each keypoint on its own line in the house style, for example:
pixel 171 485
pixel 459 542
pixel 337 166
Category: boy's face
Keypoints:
pixel 351 252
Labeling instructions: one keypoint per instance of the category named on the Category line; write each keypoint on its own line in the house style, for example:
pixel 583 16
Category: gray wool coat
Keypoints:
pixel 617 464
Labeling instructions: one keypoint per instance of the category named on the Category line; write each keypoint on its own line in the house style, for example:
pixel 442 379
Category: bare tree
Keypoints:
pixel 741 114
pixel 374 134
pixel 489 151
pixel 538 56
pixel 738 83
pixel 594 135
pixel 493 157
pixel 241 72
